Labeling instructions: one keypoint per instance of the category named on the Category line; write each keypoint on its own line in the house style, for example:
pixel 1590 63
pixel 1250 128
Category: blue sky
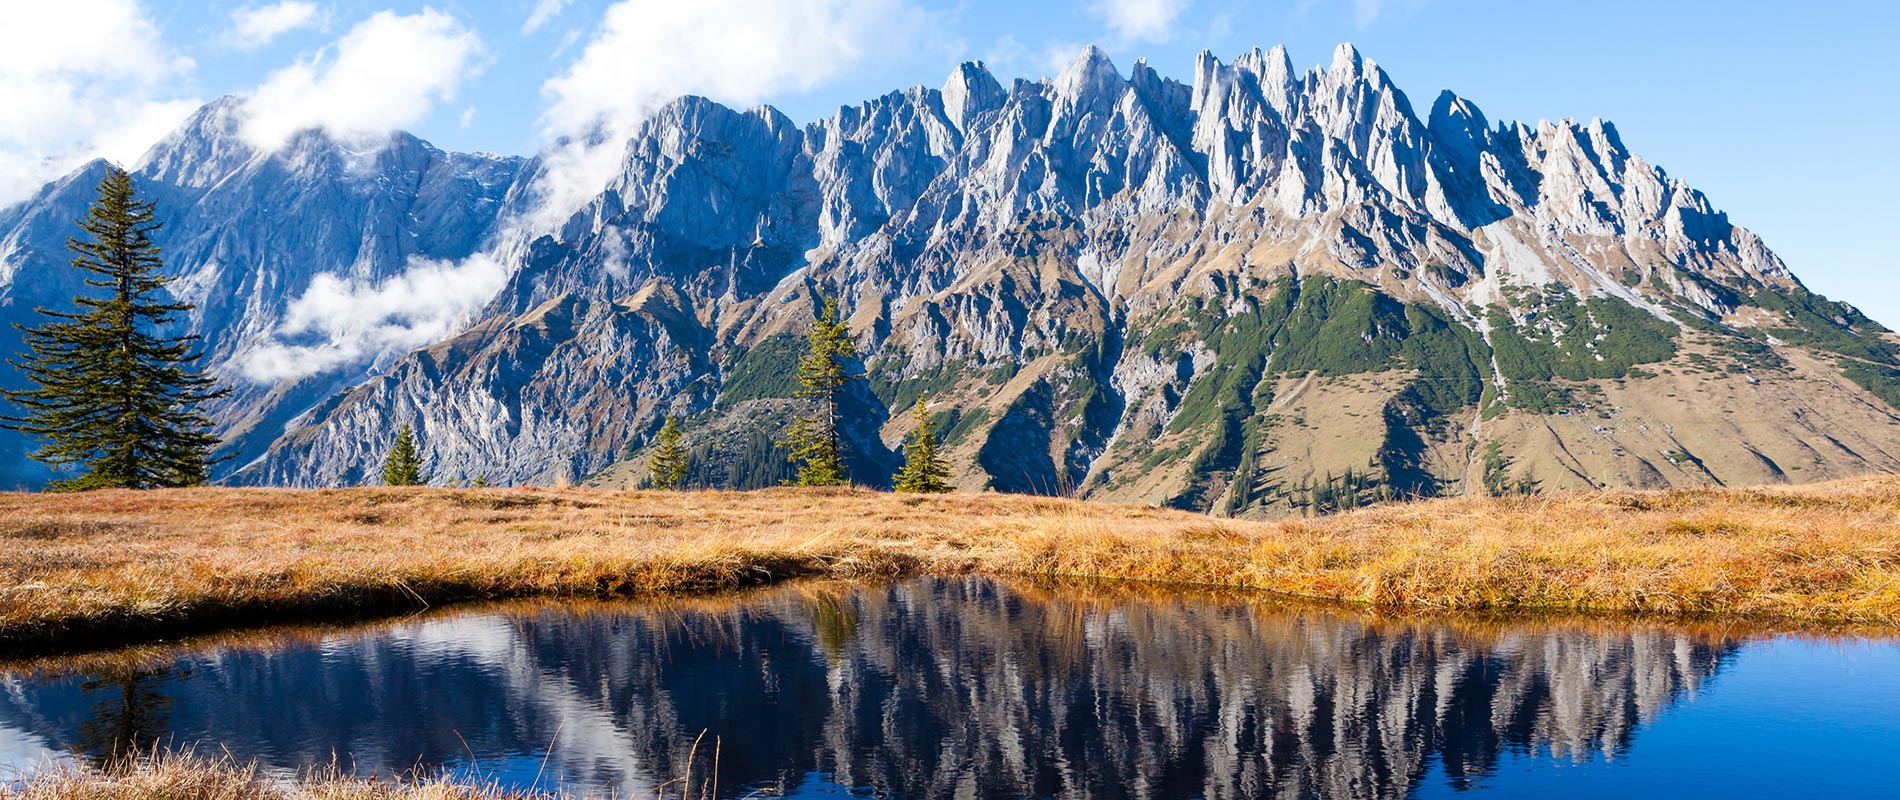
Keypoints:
pixel 1780 112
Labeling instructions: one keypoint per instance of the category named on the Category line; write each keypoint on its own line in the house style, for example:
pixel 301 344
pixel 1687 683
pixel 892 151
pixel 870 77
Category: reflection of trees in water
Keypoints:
pixel 940 689
pixel 129 716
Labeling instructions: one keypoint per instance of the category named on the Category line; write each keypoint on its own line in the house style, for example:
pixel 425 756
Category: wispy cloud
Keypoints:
pixel 1366 12
pixel 339 321
pixel 253 27
pixel 544 12
pixel 1009 57
pixel 648 52
pixel 1140 20
pixel 389 71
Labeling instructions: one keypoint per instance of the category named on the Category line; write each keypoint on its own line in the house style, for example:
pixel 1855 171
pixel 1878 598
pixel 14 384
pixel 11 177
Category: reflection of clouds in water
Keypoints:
pixel 20 748
pixel 928 689
pixel 587 732
pixel 22 751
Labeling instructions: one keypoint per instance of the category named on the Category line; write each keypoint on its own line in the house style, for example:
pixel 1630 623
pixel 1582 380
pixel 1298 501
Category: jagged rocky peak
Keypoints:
pixel 1460 128
pixel 971 90
pixel 1348 64
pixel 1083 96
pixel 1090 73
pixel 1207 294
pixel 208 146
pixel 694 152
pixel 211 146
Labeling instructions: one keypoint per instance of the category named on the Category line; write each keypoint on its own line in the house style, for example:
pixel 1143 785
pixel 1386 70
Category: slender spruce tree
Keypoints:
pixel 113 395
pixel 924 469
pixel 823 372
pixel 667 465
pixel 403 466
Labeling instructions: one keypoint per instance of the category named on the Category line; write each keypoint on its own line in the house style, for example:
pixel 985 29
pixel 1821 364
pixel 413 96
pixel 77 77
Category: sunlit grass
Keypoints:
pixel 188 776
pixel 131 564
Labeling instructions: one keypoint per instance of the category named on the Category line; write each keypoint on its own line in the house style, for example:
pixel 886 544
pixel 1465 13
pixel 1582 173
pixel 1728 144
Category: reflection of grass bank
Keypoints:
pixel 184 776
pixel 828 602
pixel 74 568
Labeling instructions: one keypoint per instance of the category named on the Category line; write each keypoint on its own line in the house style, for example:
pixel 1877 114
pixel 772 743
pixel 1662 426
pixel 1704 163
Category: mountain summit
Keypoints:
pixel 1264 291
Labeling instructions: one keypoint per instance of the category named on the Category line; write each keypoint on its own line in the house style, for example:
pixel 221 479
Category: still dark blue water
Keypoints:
pixel 972 688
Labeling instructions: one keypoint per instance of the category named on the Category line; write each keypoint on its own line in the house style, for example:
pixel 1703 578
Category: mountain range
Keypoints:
pixel 1260 291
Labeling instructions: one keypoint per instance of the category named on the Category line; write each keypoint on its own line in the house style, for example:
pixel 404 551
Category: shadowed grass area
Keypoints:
pixel 79 568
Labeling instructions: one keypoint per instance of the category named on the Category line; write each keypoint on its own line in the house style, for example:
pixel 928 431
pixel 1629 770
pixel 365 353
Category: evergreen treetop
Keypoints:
pixel 924 469
pixel 112 394
pixel 403 466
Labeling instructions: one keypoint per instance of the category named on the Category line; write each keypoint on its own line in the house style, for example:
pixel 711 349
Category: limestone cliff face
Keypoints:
pixel 247 232
pixel 1264 291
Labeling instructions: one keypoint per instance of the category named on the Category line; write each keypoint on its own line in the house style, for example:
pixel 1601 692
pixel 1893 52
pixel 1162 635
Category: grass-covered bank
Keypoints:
pixel 187 776
pixel 78 569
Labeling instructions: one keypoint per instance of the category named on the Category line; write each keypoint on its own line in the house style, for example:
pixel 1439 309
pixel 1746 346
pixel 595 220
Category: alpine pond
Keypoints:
pixel 975 688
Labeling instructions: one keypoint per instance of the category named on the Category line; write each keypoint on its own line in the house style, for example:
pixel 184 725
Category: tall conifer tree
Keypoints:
pixel 924 470
pixel 667 465
pixel 112 395
pixel 403 466
pixel 823 373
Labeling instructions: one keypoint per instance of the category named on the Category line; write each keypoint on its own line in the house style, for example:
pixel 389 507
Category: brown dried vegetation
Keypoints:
pixel 185 775
pixel 80 569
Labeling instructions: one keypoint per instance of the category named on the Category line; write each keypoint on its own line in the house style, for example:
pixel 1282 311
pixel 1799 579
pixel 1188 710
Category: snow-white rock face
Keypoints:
pixel 1038 229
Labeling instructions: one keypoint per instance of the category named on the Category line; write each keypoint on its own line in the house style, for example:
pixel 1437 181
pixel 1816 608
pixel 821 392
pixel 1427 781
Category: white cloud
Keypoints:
pixel 345 321
pixel 387 72
pixel 740 52
pixel 81 79
pixel 1141 20
pixel 544 12
pixel 254 26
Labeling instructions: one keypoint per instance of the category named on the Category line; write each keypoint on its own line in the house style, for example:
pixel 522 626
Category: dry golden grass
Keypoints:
pixel 79 568
pixel 187 776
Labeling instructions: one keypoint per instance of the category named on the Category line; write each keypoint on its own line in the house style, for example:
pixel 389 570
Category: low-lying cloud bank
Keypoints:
pixel 338 322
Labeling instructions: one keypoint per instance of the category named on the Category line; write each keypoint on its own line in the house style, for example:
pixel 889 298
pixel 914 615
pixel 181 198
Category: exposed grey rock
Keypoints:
pixel 971 228
pixel 1041 257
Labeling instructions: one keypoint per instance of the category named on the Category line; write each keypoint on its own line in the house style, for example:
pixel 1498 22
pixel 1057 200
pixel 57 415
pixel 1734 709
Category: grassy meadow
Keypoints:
pixel 89 568
pixel 184 775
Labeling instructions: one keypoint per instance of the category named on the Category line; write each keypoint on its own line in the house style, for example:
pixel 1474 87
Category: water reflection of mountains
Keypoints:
pixel 929 688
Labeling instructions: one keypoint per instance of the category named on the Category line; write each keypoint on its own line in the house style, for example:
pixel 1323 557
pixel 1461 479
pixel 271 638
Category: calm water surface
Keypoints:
pixel 971 688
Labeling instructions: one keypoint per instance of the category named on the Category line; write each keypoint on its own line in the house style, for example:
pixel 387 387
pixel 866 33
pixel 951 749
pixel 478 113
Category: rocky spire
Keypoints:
pixel 207 147
pixel 970 90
